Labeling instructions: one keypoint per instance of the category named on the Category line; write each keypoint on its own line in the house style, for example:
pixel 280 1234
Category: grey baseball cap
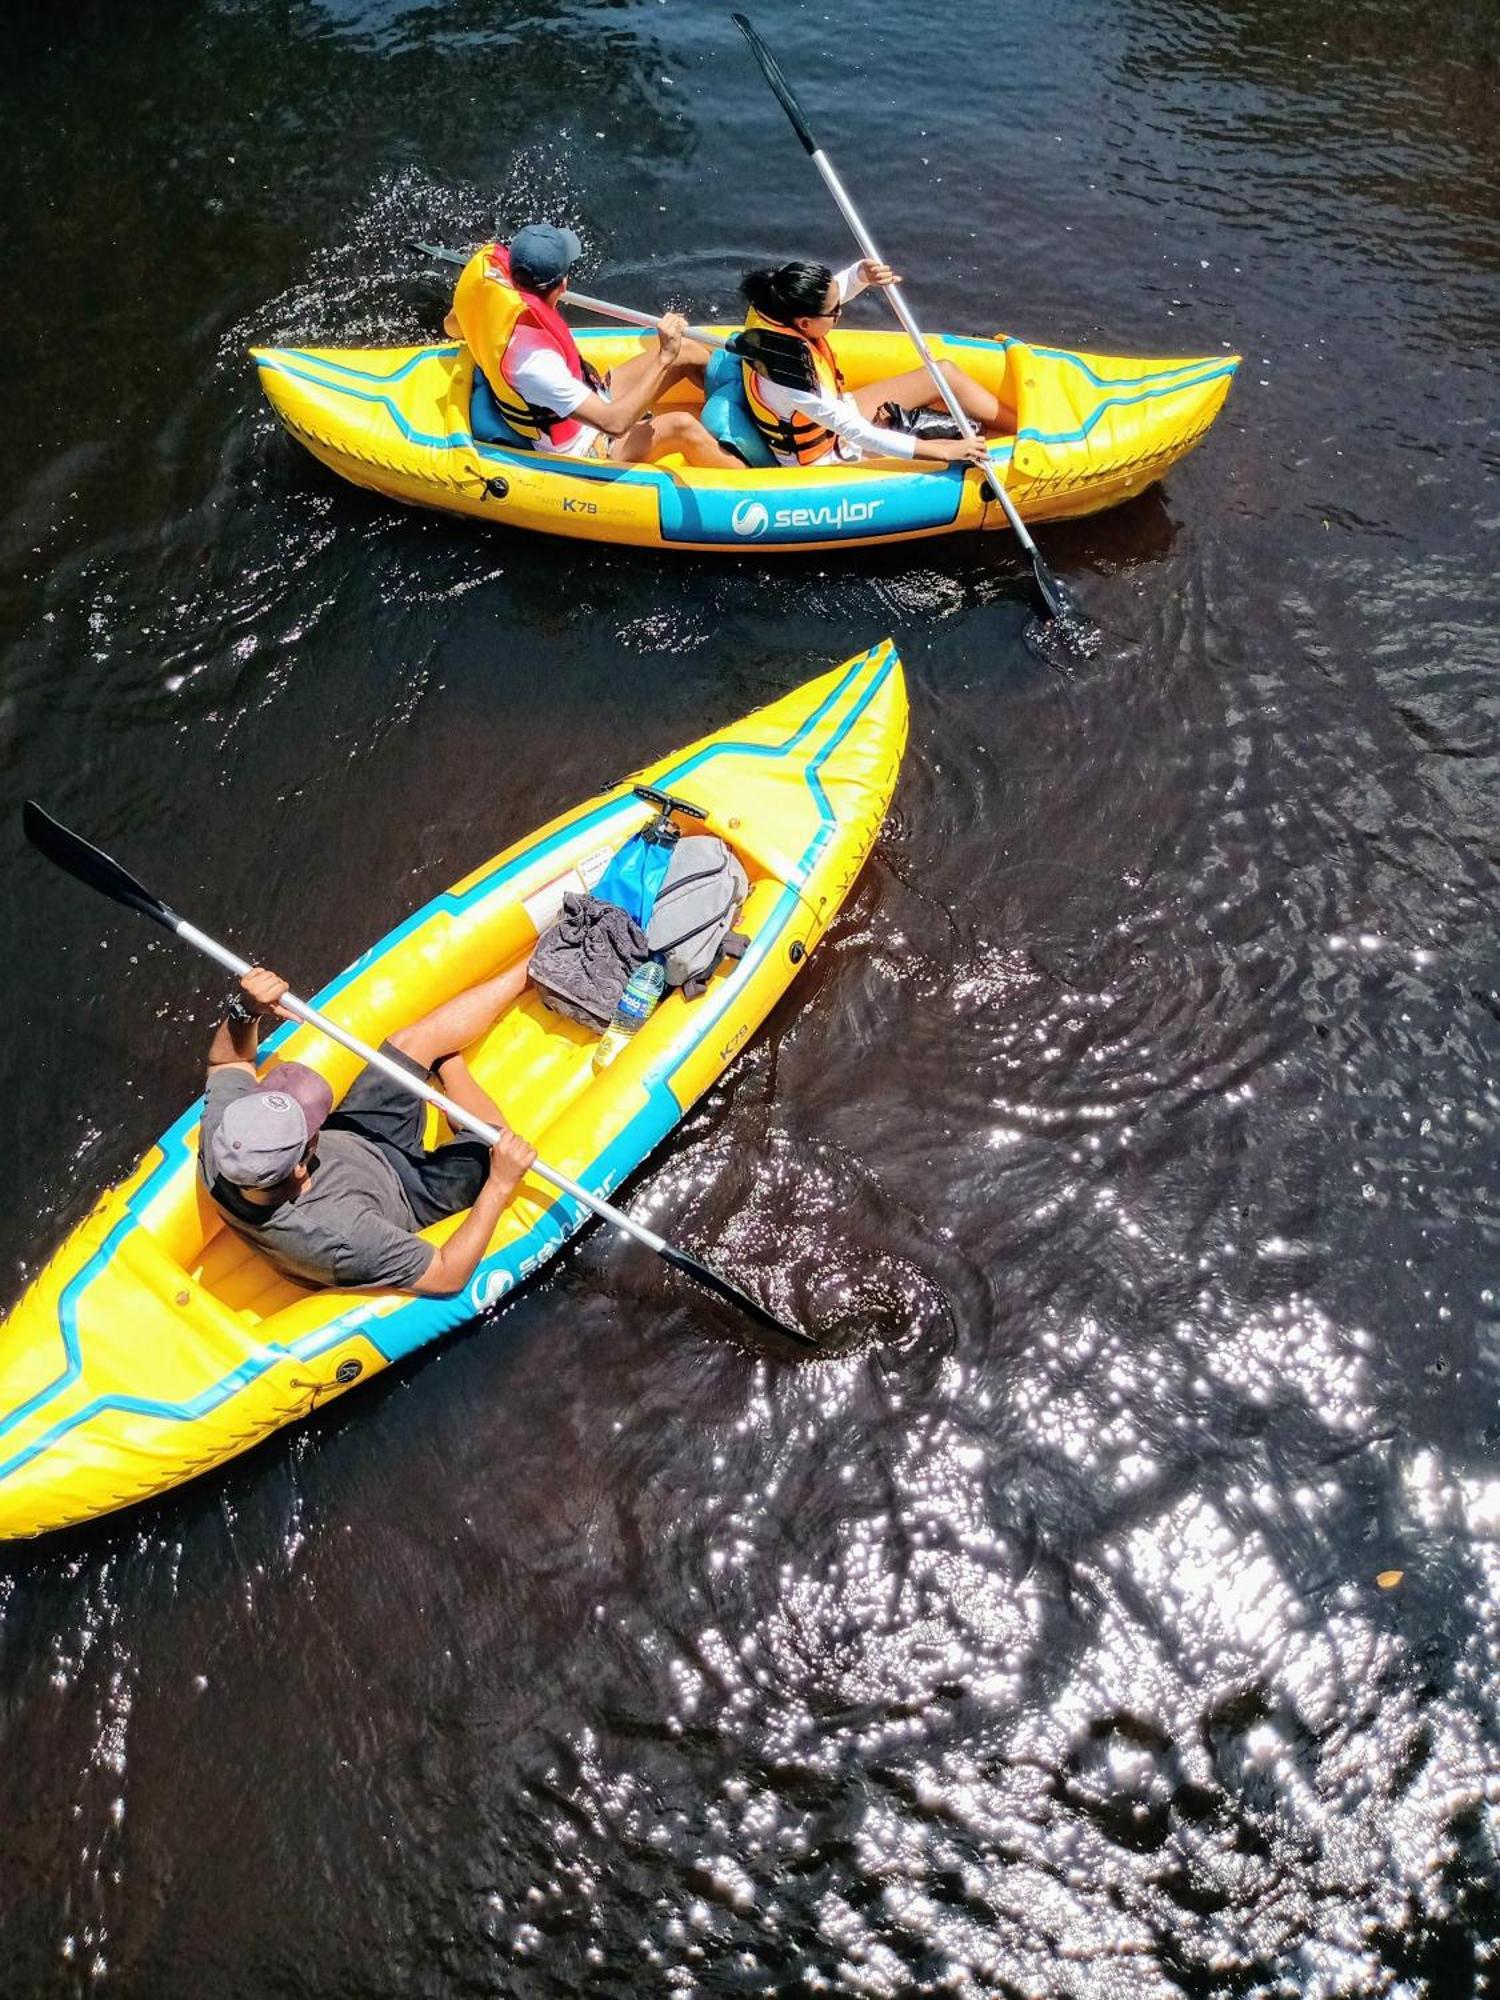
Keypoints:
pixel 544 253
pixel 264 1133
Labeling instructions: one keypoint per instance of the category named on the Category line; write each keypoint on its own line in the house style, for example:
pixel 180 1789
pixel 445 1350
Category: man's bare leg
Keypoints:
pixel 673 430
pixel 464 1018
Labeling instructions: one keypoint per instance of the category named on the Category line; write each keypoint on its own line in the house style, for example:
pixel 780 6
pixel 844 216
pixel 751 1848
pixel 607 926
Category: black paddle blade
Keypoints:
pixel 1077 634
pixel 771 69
pixel 91 866
pixel 721 1288
pixel 780 357
pixel 437 253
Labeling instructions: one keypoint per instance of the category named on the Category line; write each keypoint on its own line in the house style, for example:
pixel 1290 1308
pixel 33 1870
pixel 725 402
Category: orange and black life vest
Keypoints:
pixel 488 306
pixel 798 436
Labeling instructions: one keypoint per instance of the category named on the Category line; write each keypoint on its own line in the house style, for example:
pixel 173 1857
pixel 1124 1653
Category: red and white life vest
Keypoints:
pixel 488 307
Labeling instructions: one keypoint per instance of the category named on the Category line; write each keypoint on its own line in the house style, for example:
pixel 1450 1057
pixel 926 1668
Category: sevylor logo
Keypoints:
pixel 751 518
pixel 488 1289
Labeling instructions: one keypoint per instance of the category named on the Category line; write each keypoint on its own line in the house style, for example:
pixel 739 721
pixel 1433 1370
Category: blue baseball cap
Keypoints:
pixel 543 253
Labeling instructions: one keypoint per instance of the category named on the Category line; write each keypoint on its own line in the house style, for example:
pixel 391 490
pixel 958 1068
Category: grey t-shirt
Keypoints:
pixel 351 1226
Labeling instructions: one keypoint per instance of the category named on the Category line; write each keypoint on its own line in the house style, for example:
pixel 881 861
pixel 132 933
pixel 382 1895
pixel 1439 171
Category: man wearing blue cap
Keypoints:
pixel 505 310
pixel 339 1197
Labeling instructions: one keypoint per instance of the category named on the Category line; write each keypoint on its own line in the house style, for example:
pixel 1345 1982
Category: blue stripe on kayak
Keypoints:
pixel 318 360
pixel 420 1320
pixel 1159 375
pixel 1113 402
pixel 66 1313
pixel 271 1356
pixel 1165 376
pixel 449 441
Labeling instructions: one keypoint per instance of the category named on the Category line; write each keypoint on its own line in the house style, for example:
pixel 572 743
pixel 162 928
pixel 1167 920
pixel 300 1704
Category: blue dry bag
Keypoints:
pixel 632 879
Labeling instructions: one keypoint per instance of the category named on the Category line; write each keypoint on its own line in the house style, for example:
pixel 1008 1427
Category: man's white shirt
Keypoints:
pixel 536 371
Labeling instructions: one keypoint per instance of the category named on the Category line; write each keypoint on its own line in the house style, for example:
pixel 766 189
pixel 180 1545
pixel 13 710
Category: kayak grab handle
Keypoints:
pixel 665 803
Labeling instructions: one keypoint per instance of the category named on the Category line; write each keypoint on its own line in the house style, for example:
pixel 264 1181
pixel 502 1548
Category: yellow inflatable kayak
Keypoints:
pixel 1089 430
pixel 156 1343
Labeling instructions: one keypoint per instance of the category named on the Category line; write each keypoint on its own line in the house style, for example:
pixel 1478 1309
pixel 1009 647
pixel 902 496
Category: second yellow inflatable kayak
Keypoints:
pixel 157 1343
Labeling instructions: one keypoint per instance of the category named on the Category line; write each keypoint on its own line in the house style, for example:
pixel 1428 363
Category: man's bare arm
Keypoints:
pixel 236 1043
pixel 455 1261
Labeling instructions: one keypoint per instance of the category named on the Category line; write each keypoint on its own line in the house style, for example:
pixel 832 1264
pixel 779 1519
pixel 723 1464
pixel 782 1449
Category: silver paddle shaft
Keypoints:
pixel 454 1113
pixel 899 307
pixel 630 317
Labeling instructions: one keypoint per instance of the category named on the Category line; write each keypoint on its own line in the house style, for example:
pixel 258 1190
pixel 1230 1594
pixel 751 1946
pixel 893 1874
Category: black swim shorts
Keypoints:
pixel 436 1183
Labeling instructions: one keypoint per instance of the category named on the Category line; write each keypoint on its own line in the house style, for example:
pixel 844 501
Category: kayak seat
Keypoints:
pixel 485 420
pixel 726 415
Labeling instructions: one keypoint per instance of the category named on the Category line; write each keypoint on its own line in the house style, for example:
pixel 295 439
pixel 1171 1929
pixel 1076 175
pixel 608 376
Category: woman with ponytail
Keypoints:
pixel 884 419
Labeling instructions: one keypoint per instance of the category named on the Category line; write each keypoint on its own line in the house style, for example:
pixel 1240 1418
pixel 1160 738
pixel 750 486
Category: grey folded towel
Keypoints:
pixel 583 962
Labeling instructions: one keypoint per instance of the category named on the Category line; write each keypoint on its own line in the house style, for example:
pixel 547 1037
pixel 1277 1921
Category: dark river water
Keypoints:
pixel 1144 1097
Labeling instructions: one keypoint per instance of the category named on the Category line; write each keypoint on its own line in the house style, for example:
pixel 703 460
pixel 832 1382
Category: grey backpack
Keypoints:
pixel 690 925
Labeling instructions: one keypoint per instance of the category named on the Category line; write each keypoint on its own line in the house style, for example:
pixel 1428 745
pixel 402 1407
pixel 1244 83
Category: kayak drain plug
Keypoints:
pixel 798 952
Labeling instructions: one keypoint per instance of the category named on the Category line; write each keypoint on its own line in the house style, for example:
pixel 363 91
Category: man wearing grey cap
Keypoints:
pixel 338 1197
pixel 505 310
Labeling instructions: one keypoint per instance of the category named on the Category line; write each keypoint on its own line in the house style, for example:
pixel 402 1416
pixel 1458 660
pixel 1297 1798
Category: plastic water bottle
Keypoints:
pixel 636 1006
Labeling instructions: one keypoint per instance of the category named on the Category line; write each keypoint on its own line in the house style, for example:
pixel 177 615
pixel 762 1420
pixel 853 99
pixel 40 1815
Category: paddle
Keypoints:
pixel 1077 631
pixel 98 870
pixel 781 356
